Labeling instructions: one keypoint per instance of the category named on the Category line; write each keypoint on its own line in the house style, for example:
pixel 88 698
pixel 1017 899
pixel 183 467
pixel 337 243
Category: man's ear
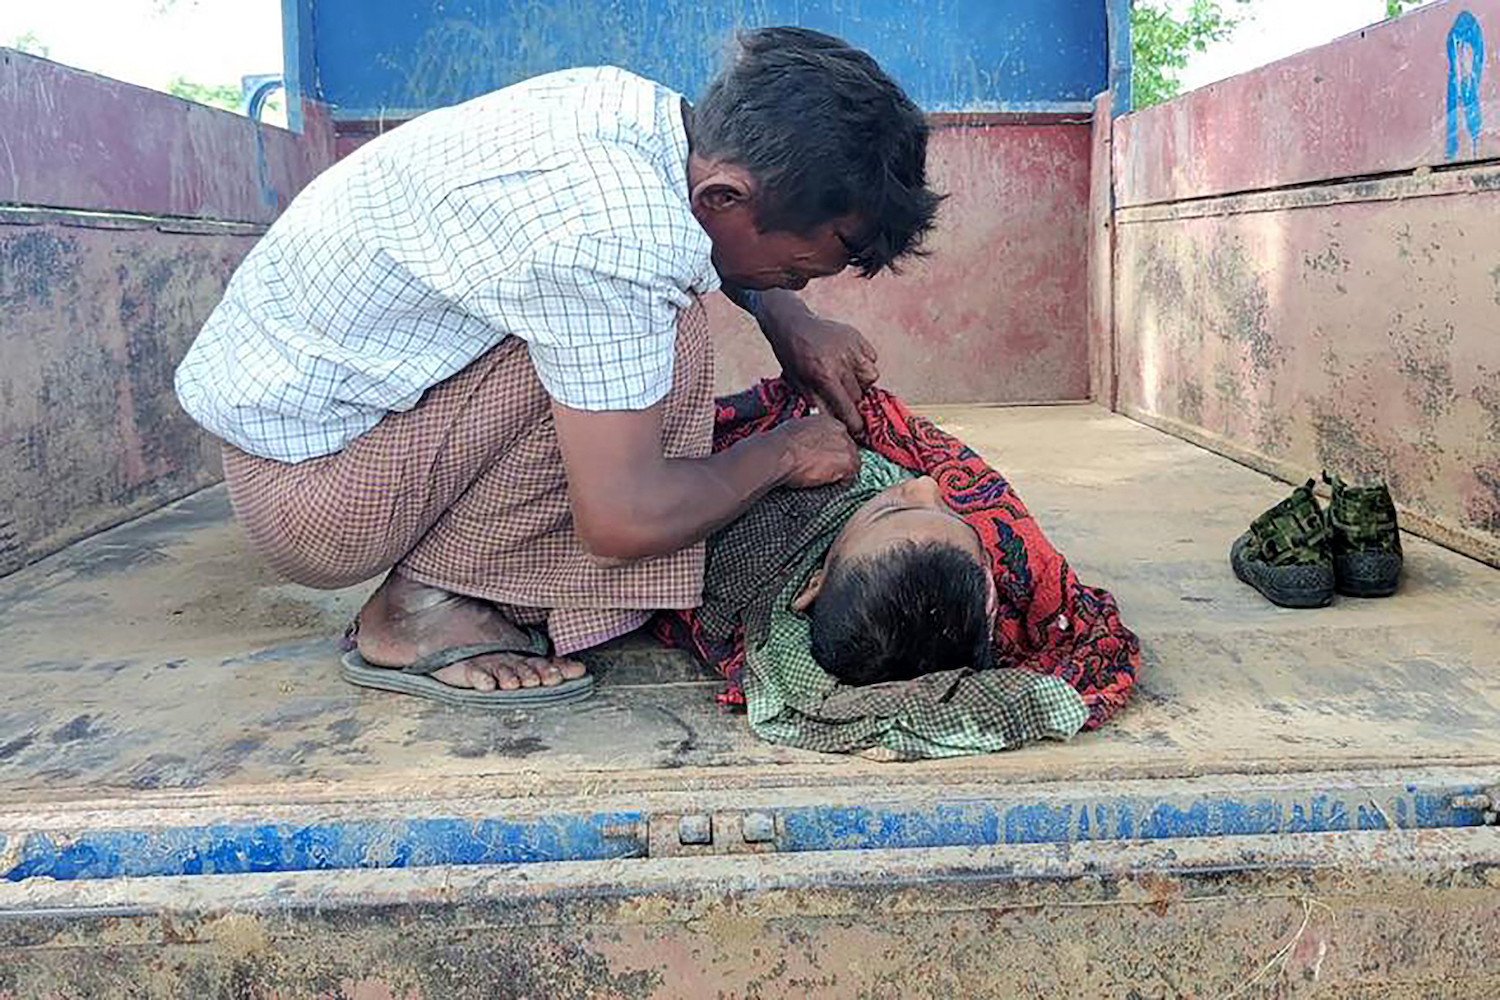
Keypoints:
pixel 721 188
pixel 810 592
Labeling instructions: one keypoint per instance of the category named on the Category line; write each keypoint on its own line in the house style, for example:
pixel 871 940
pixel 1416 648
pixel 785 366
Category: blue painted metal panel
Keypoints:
pixel 980 823
pixel 242 848
pixel 1121 57
pixel 421 842
pixel 299 71
pixel 393 58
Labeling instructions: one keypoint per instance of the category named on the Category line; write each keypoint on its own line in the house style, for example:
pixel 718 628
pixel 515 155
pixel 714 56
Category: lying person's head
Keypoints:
pixel 904 591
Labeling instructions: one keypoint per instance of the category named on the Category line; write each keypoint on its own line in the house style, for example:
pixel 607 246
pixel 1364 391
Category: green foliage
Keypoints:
pixel 226 96
pixel 1395 8
pixel 1161 42
pixel 29 42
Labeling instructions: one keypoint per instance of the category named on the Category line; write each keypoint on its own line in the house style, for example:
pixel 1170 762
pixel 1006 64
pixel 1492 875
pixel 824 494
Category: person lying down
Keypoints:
pixel 916 611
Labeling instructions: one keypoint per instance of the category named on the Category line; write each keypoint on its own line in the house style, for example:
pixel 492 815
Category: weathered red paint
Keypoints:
pixel 156 201
pixel 96 321
pixel 998 312
pixel 1341 325
pixel 1372 102
pixel 72 139
pixel 1358 337
pixel 1101 248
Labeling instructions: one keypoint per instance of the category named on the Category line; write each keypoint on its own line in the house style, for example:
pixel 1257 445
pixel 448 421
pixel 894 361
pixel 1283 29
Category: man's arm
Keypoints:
pixel 629 502
pixel 830 361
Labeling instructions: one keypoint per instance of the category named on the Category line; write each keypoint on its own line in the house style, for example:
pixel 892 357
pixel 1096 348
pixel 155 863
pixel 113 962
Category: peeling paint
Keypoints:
pixel 968 55
pixel 1357 914
pixel 1394 379
pixel 1237 284
pixel 97 321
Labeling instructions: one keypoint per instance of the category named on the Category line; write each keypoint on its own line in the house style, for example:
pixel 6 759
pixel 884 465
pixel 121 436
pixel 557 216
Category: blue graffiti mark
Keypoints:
pixel 1465 70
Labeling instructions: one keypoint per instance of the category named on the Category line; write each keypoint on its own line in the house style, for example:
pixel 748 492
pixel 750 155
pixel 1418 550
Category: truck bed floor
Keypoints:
pixel 161 660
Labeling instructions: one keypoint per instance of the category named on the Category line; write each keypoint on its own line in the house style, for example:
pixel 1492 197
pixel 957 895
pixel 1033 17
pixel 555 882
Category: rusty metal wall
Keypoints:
pixel 71 139
pixel 95 321
pixel 1402 916
pixel 1422 89
pixel 122 214
pixel 1298 286
pixel 998 312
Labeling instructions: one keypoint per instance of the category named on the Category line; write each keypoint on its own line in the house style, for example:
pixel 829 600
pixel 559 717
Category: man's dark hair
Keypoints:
pixel 826 134
pixel 917 610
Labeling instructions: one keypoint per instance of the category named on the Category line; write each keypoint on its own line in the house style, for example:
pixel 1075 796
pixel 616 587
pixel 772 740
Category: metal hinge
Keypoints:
pixel 1486 802
pixel 675 835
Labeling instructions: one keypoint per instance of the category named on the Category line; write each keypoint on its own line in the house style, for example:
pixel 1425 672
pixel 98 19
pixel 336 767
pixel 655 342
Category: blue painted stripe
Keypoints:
pixel 983 823
pixel 421 842
pixel 409 843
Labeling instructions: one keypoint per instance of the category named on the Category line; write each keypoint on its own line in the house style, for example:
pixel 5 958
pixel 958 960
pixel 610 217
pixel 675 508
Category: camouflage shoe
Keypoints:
pixel 1366 539
pixel 1286 553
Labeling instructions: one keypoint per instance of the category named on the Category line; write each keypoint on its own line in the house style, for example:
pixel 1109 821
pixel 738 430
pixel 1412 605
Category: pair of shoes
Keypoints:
pixel 1298 556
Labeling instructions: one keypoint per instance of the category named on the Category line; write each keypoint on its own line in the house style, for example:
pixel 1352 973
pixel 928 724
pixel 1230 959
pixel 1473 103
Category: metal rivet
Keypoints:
pixel 758 827
pixel 695 829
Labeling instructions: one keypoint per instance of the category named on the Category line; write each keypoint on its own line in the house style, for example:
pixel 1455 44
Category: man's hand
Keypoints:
pixel 829 362
pixel 629 502
pixel 819 451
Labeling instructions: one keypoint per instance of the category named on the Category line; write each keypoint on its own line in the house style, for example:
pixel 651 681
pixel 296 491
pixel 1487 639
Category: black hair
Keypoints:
pixel 826 134
pixel 921 608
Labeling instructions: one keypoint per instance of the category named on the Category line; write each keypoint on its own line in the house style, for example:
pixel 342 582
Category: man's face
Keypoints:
pixel 749 258
pixel 725 202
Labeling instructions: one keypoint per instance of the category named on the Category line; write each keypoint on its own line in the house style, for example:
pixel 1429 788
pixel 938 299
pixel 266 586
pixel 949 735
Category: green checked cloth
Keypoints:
pixel 791 700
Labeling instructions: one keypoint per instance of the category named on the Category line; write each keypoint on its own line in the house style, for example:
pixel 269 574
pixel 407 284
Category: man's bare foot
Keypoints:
pixel 404 621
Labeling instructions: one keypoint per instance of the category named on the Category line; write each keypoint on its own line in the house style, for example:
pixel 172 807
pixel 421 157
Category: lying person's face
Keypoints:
pixel 905 589
pixel 911 511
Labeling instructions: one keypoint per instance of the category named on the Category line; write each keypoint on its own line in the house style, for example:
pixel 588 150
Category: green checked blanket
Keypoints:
pixel 758 565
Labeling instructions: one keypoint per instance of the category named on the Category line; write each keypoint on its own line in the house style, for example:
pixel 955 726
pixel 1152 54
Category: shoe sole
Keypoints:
pixel 1352 589
pixel 1286 597
pixel 1367 575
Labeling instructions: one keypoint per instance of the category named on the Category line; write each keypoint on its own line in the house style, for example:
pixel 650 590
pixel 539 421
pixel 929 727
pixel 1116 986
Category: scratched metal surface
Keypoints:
pixel 998 312
pixel 73 139
pixel 1357 336
pixel 69 845
pixel 96 320
pixel 386 58
pixel 1423 90
pixel 1406 916
pixel 161 664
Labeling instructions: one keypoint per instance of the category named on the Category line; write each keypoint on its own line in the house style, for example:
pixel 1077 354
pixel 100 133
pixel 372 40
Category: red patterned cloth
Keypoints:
pixel 1047 621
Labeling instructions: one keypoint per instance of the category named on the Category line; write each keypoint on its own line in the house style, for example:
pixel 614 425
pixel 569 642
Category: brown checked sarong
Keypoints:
pixel 466 491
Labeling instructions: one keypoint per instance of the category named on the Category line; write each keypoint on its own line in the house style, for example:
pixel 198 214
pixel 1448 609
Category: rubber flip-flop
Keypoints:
pixel 355 670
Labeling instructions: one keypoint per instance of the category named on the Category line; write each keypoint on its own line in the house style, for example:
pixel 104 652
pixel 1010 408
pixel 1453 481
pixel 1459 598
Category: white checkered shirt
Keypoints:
pixel 555 210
